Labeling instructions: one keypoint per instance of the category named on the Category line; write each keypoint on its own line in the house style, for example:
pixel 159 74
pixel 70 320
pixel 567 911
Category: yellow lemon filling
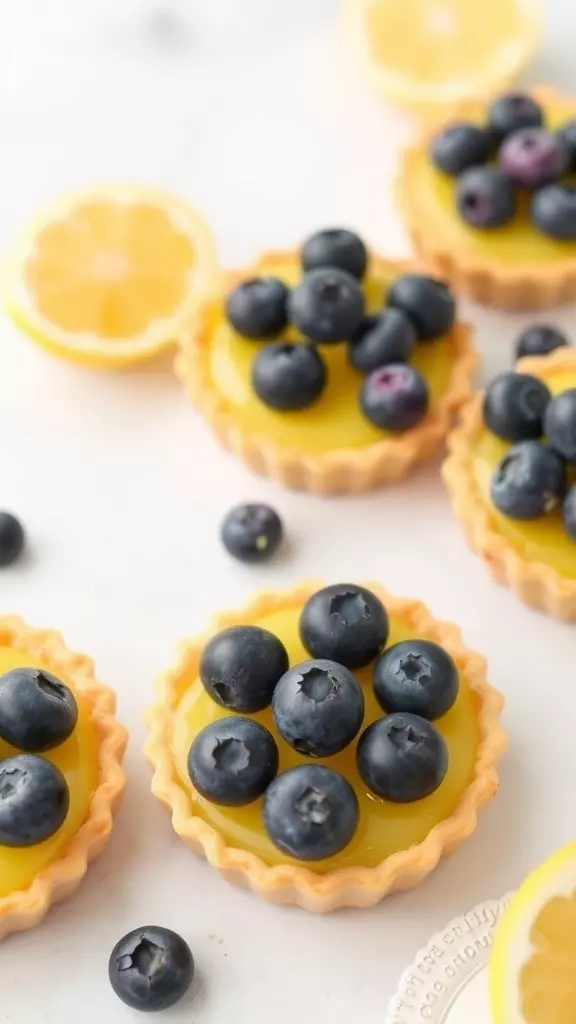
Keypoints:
pixel 384 828
pixel 335 421
pixel 77 759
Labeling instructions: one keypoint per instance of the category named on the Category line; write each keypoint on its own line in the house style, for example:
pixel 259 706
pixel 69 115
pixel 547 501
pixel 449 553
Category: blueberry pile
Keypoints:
pixel 311 811
pixel 327 307
pixel 513 153
pixel 538 472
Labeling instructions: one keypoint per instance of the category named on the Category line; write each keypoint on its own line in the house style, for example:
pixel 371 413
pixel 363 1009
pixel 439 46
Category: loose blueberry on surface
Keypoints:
pixel 540 340
pixel 554 211
pixel 344 623
pixel 395 397
pixel 335 247
pixel 460 146
pixel 533 157
pixel 327 305
pixel 402 758
pixel 318 707
pixel 310 812
pixel 11 539
pixel 485 197
pixel 529 481
pixel 417 676
pixel 511 112
pixel 569 512
pixel 34 800
pixel 567 135
pixel 258 308
pixel 252 532
pixel 232 761
pixel 514 406
pixel 426 301
pixel 389 337
pixel 289 375
pixel 241 665
pixel 560 424
pixel 151 968
pixel 37 711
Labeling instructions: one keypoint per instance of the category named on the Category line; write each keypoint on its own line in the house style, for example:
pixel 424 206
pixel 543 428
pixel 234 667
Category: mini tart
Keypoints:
pixel 481 264
pixel 298 457
pixel 280 879
pixel 524 555
pixel 62 864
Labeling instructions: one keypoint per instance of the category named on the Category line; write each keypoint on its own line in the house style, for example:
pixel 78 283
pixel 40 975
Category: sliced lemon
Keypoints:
pixel 533 963
pixel 110 276
pixel 427 54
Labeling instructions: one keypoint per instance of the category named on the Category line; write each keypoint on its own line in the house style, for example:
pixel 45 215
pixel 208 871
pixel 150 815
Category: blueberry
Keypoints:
pixel 338 248
pixel 389 337
pixel 327 306
pixel 252 532
pixel 318 707
pixel 241 665
pixel 511 112
pixel 532 157
pixel 344 623
pixel 485 197
pixel 529 480
pixel 232 761
pixel 37 711
pixel 395 397
pixel 402 758
pixel 151 968
pixel 11 539
pixel 426 301
pixel 460 146
pixel 514 406
pixel 34 800
pixel 289 375
pixel 310 812
pixel 554 211
pixel 560 424
pixel 258 308
pixel 539 340
pixel 569 512
pixel 416 676
pixel 567 135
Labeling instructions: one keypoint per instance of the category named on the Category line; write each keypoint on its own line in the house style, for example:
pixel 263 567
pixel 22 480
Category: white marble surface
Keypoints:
pixel 252 112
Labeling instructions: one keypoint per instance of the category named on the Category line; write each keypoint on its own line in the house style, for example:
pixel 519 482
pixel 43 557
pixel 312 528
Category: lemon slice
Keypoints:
pixel 533 963
pixel 110 276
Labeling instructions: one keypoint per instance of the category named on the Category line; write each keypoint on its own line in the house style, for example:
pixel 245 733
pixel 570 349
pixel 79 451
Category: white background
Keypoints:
pixel 253 113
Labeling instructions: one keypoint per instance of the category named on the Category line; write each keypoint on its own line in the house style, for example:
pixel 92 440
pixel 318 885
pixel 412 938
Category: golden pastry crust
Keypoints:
pixel 488 281
pixel 343 887
pixel 344 471
pixel 25 909
pixel 536 584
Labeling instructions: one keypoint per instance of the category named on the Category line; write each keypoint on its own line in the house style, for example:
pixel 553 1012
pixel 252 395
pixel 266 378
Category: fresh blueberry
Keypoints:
pixel 511 112
pixel 514 406
pixel 344 623
pixel 388 337
pixel 533 157
pixel 151 968
pixel 37 711
pixel 241 665
pixel 310 812
pixel 569 512
pixel 426 301
pixel 289 375
pixel 395 397
pixel 258 308
pixel 485 197
pixel 34 800
pixel 529 480
pixel 540 340
pixel 560 424
pixel 11 539
pixel 460 146
pixel 232 761
pixel 338 248
pixel 402 758
pixel 252 532
pixel 567 135
pixel 554 211
pixel 318 707
pixel 416 676
pixel 327 306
